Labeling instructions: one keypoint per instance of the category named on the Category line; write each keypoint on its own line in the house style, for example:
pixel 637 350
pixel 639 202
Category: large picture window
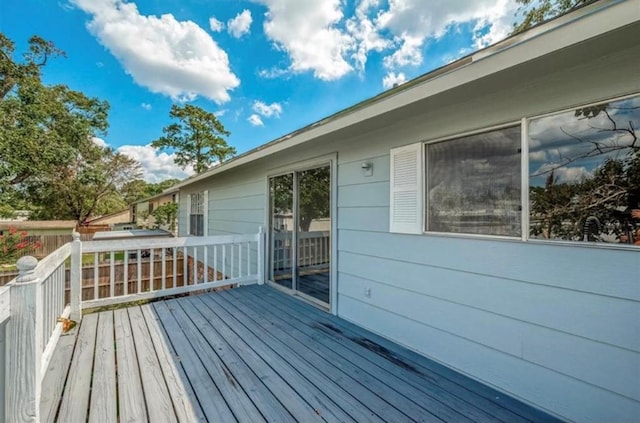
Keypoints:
pixel 473 184
pixel 196 214
pixel 584 174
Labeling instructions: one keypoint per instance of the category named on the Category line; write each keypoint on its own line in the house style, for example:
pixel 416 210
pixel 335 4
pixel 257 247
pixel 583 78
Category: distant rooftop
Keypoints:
pixel 133 233
pixel 26 225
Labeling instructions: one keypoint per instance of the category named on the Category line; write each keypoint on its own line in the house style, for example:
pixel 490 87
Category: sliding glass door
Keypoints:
pixel 300 232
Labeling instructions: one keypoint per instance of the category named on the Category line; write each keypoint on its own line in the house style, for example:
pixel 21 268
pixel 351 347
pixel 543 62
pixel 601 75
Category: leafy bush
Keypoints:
pixel 14 245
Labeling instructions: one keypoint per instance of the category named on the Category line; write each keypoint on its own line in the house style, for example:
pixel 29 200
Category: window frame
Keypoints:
pixel 425 199
pixel 524 123
pixel 190 229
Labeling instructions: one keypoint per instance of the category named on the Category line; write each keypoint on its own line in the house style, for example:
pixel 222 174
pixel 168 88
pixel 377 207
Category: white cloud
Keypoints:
pixel 365 35
pixel 564 174
pixel 157 166
pixel 267 110
pixel 255 120
pixel 307 32
pixel 221 112
pixel 99 142
pixel 273 73
pixel 318 37
pixel 146 106
pixel 215 25
pixel 413 21
pixel 175 58
pixel 392 79
pixel 241 24
pixel 409 53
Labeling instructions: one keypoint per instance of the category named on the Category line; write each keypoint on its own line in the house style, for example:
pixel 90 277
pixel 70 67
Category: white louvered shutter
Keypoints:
pixel 205 213
pixel 406 196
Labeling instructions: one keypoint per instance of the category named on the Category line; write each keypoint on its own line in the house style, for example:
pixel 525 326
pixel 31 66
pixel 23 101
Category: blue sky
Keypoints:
pixel 266 67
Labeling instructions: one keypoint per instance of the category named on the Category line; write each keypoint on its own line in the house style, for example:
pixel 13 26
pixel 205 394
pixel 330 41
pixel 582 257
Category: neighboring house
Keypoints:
pixel 39 227
pixel 439 238
pixel 113 221
pixel 141 212
pixel 51 234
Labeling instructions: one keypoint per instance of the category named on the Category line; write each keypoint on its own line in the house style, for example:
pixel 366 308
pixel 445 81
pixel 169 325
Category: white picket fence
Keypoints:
pixel 32 304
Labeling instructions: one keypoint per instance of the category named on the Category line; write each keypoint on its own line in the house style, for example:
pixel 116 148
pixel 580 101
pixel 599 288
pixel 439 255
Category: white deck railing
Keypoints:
pixel 314 249
pixel 121 271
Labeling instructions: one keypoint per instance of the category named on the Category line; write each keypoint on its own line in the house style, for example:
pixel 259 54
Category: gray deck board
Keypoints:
pixel 156 393
pixel 56 375
pixel 250 379
pixel 380 380
pixel 239 402
pixel 502 406
pixel 327 377
pixel 401 378
pixel 184 399
pixel 279 379
pixel 130 395
pixel 103 407
pixel 325 398
pixel 215 408
pixel 380 398
pixel 253 354
pixel 75 401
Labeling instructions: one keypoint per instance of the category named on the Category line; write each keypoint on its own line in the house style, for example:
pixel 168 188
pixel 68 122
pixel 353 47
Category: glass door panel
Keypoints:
pixel 313 221
pixel 281 227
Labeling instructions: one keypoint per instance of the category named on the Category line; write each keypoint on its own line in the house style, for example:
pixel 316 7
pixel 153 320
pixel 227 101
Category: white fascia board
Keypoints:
pixel 589 22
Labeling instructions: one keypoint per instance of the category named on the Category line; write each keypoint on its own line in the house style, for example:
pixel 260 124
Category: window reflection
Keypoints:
pixel 473 184
pixel 585 174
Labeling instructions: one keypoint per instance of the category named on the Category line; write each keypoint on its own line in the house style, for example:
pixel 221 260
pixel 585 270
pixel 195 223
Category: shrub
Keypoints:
pixel 14 245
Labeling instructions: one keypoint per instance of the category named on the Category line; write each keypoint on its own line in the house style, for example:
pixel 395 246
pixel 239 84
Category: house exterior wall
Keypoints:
pixel 554 325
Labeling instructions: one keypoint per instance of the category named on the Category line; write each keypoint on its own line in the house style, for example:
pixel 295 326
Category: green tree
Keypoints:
pixel 197 138
pixel 166 214
pixel 12 73
pixel 41 127
pixel 139 189
pixel 87 186
pixel 537 11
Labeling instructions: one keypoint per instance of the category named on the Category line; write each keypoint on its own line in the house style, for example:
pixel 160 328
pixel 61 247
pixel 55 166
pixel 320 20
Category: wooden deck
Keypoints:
pixel 253 354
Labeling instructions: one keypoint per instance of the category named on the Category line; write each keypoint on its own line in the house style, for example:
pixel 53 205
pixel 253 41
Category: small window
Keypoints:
pixel 473 184
pixel 584 174
pixel 196 214
pixel 150 208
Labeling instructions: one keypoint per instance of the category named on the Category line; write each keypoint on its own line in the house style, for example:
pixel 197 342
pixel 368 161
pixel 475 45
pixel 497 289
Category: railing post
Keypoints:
pixel 24 349
pixel 75 282
pixel 261 253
